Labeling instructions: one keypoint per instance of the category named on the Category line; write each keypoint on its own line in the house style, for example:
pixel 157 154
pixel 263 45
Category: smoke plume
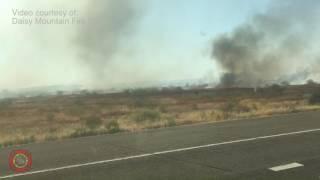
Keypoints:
pixel 91 53
pixel 277 45
pixel 109 23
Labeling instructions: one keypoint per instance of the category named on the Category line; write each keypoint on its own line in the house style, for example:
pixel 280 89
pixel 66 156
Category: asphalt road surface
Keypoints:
pixel 280 147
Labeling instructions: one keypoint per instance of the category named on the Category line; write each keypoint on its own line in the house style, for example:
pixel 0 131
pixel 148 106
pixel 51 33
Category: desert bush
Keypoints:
pixel 19 141
pixel 81 132
pixel 229 106
pixel 93 122
pixel 236 107
pixel 243 108
pixel 171 122
pixel 113 127
pixel 315 98
pixel 203 116
pixel 163 108
pixel 147 115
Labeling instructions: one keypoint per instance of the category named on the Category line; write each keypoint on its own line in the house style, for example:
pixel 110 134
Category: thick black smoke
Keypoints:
pixel 277 45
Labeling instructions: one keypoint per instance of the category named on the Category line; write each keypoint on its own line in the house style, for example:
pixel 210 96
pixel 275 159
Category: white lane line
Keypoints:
pixel 158 153
pixel 286 166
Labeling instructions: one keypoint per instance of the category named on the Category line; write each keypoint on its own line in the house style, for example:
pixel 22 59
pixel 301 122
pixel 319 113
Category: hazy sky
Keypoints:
pixel 170 40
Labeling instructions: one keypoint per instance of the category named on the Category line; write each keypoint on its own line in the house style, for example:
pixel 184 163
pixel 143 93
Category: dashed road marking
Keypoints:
pixel 286 166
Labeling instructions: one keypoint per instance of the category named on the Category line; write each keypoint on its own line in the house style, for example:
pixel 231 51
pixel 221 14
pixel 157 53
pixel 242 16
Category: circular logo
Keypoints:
pixel 20 160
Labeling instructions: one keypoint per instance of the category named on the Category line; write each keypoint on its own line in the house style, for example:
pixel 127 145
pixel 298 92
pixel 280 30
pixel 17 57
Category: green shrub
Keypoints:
pixel 171 122
pixel 113 127
pixel 93 122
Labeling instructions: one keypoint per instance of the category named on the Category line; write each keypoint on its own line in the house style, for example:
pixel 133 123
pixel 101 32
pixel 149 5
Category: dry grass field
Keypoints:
pixel 37 119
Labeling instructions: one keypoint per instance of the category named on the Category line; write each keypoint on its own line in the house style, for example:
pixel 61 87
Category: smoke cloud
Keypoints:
pixel 91 53
pixel 109 24
pixel 277 45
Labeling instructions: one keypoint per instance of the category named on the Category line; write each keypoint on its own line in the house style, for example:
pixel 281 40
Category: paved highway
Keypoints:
pixel 279 147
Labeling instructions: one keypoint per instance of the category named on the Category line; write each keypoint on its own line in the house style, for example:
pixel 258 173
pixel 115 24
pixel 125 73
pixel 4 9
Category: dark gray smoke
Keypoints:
pixel 279 44
pixel 108 24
